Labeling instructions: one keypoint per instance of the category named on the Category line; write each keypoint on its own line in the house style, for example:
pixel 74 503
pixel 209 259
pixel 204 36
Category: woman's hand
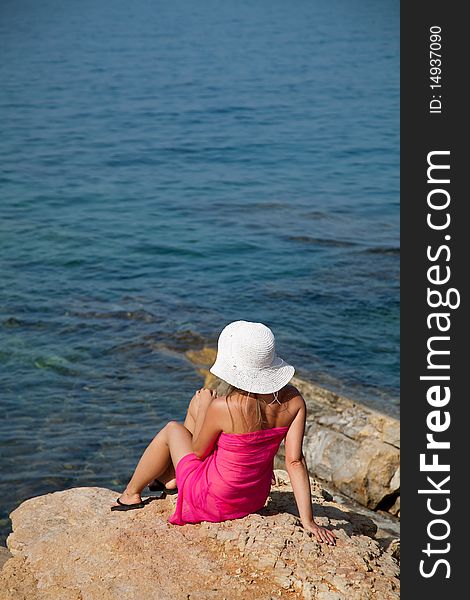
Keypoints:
pixel 206 395
pixel 200 402
pixel 321 534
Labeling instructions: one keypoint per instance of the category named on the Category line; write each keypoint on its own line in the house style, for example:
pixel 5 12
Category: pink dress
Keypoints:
pixel 234 480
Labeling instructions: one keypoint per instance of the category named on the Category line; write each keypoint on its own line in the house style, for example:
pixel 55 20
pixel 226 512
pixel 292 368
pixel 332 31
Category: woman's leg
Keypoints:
pixel 168 476
pixel 171 443
pixel 191 413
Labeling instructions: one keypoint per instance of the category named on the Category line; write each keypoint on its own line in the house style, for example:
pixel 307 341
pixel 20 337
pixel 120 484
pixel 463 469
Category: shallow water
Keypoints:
pixel 166 169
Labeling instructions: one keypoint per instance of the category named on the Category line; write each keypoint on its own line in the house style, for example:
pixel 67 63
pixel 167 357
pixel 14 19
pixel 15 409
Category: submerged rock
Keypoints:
pixel 69 545
pixel 205 357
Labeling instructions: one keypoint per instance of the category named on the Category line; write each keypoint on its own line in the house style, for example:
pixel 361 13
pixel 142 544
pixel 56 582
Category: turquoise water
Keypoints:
pixel 166 168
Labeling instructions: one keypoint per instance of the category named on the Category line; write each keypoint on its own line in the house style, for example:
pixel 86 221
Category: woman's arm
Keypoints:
pixel 208 422
pixel 298 475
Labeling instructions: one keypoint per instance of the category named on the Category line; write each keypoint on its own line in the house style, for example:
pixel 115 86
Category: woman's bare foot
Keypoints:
pixel 170 484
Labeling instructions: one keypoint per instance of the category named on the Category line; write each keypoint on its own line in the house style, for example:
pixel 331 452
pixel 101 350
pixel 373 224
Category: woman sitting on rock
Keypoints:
pixel 223 455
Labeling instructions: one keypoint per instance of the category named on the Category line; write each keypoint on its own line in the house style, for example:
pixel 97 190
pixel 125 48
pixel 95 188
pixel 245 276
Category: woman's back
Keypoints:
pixel 243 417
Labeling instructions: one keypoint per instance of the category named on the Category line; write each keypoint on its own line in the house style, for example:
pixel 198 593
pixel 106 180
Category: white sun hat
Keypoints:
pixel 247 359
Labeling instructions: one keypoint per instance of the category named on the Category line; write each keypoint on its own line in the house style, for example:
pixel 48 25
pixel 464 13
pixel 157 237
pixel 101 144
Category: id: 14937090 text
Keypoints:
pixel 435 69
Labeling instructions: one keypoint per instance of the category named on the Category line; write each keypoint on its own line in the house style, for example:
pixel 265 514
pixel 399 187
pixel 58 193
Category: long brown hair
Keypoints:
pixel 250 409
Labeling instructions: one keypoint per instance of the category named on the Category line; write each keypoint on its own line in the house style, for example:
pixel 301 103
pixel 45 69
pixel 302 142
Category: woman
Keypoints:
pixel 223 454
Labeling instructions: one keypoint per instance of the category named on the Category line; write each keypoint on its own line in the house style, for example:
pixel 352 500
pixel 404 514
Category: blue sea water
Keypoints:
pixel 166 168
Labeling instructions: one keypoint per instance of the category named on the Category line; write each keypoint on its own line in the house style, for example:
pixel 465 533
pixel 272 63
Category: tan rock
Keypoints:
pixel 395 509
pixel 391 432
pixel 4 556
pixel 352 446
pixel 395 481
pixel 70 546
pixel 367 474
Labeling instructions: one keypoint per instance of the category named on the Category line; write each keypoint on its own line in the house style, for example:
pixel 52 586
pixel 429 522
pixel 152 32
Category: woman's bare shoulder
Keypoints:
pixel 293 399
pixel 224 407
pixel 291 393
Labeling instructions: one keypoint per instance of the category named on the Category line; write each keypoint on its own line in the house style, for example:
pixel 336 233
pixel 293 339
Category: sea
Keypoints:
pixel 167 168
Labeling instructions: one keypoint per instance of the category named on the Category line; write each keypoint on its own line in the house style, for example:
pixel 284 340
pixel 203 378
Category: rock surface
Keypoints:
pixel 69 546
pixel 352 446
pixel 4 556
pixel 355 448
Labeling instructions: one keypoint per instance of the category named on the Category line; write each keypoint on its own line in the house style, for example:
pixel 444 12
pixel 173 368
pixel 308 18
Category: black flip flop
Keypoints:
pixel 158 486
pixel 123 506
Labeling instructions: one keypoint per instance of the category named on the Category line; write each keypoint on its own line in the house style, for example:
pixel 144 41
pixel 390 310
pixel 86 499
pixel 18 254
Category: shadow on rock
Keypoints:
pixel 352 523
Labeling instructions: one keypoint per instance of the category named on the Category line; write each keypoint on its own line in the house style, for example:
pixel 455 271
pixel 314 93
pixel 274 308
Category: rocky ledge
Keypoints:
pixel 353 447
pixel 69 546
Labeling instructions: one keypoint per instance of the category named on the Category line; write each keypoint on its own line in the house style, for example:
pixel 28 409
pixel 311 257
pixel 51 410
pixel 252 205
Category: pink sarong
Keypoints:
pixel 234 480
